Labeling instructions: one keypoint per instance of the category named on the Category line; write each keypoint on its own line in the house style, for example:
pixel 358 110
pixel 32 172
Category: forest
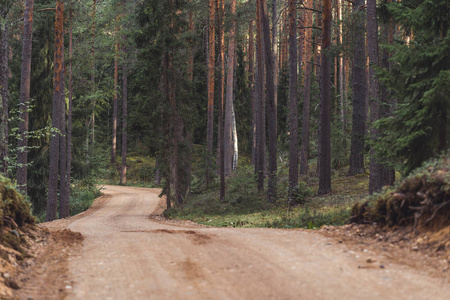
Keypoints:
pixel 213 98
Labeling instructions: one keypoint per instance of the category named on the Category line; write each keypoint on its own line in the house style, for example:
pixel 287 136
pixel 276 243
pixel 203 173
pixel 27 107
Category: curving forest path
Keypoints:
pixel 127 254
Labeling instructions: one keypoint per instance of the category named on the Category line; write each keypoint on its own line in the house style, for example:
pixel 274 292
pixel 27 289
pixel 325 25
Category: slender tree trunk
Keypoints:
pixel 4 80
pixel 359 94
pixel 325 104
pixel 375 183
pixel 301 46
pixel 228 139
pixel 235 137
pixel 191 79
pixel 221 87
pixel 341 72
pixel 275 52
pixel 251 74
pixel 220 8
pixel 260 107
pixel 57 108
pixel 22 143
pixel 271 106
pixel 94 11
pixel 63 193
pixel 157 173
pixel 293 114
pixel 69 113
pixel 304 153
pixel 123 168
pixel 210 108
pixel 63 185
pixel 115 96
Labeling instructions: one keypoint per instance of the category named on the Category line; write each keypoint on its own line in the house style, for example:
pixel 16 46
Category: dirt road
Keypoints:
pixel 127 255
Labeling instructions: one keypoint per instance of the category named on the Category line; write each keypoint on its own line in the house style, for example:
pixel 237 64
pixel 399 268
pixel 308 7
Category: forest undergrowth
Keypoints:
pixel 245 206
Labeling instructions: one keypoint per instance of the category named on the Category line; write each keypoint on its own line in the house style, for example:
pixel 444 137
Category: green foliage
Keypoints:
pixel 83 194
pixel 300 193
pixel 420 81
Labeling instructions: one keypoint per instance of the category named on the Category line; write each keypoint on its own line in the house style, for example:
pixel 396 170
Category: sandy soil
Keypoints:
pixel 129 253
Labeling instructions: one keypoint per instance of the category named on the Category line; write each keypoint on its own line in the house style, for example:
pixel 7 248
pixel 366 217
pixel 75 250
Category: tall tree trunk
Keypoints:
pixel 375 183
pixel 221 88
pixel 123 167
pixel 359 83
pixel 69 113
pixel 325 104
pixel 220 140
pixel 275 52
pixel 387 173
pixel 304 153
pixel 115 96
pixel 94 104
pixel 251 75
pixel 210 108
pixel 301 46
pixel 293 114
pixel 341 73
pixel 260 106
pixel 235 137
pixel 22 143
pixel 191 79
pixel 63 193
pixel 4 81
pixel 227 137
pixel 271 106
pixel 57 108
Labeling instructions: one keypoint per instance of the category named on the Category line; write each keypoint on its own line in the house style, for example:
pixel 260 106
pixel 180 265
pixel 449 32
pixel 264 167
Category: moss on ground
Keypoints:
pixel 421 199
pixel 13 207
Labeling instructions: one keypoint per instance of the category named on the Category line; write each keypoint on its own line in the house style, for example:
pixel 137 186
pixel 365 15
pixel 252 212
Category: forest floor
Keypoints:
pixel 127 250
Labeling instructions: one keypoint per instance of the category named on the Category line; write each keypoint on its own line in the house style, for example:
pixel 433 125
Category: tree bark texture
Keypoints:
pixel 293 114
pixel 275 52
pixel 93 29
pixel 220 127
pixel 271 107
pixel 228 138
pixel 325 104
pixel 22 143
pixel 375 183
pixel 220 17
pixel 251 75
pixel 210 108
pixel 123 167
pixel 260 103
pixel 4 80
pixel 304 153
pixel 69 112
pixel 359 93
pixel 57 108
pixel 115 96
pixel 63 192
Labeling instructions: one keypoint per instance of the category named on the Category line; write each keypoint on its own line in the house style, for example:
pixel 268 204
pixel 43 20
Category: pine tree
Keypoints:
pixel 419 80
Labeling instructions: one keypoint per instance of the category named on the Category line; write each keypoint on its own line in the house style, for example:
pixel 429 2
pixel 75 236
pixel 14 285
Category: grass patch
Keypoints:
pixel 245 206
